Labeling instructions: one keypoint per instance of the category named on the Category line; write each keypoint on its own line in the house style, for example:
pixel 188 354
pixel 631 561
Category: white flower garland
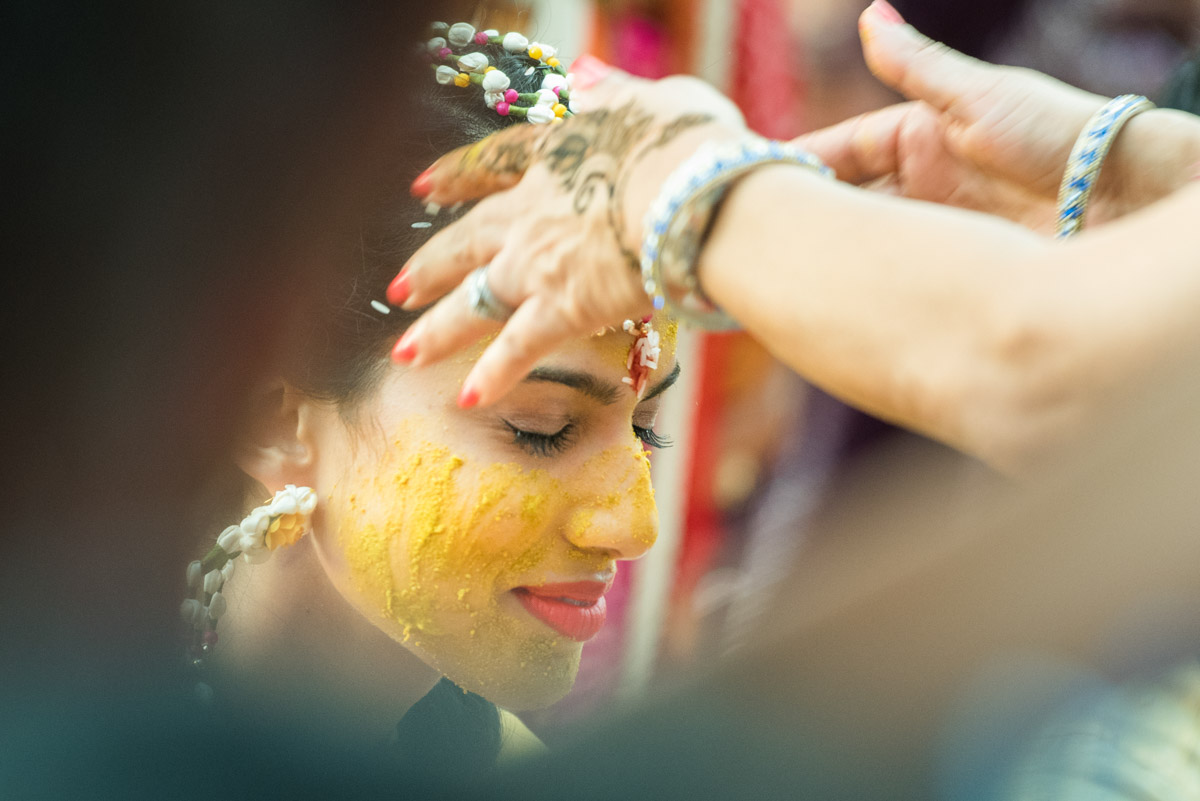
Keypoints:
pixel 551 103
pixel 288 514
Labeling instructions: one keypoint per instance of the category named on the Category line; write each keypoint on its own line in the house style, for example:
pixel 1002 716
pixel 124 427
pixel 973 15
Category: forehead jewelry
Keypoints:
pixel 643 354
pixel 451 65
pixel 281 521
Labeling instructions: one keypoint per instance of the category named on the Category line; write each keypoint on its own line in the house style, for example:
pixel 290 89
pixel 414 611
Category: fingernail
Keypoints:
pixel 405 349
pixel 468 397
pixel 887 13
pixel 588 71
pixel 423 184
pixel 398 291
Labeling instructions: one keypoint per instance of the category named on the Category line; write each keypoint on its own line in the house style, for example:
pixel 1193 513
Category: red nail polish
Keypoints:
pixel 588 71
pixel 405 349
pixel 398 290
pixel 467 398
pixel 423 184
pixel 887 12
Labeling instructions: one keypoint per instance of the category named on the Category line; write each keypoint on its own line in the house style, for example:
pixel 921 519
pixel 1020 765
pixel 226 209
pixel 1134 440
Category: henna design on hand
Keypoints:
pixel 617 137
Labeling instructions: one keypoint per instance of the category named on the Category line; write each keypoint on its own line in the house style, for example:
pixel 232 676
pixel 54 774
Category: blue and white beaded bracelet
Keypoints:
pixel 1087 157
pixel 679 218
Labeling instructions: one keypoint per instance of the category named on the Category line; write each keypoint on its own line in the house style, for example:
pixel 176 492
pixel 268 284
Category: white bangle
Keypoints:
pixel 1087 157
pixel 678 219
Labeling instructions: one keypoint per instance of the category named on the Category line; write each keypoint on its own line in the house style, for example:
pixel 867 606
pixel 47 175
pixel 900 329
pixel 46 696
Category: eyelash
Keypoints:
pixel 651 439
pixel 550 444
pixel 542 444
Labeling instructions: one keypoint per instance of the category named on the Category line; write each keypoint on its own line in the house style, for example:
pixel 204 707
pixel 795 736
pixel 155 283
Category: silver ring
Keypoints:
pixel 482 301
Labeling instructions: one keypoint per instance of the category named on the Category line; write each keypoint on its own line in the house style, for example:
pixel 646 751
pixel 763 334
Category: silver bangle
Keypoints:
pixel 1087 157
pixel 678 219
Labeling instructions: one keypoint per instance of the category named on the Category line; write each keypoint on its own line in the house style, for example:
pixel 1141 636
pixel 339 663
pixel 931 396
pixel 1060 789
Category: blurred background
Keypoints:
pixel 759 458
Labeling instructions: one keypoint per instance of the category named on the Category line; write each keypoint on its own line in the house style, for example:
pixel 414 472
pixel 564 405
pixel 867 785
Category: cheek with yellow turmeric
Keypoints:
pixel 435 545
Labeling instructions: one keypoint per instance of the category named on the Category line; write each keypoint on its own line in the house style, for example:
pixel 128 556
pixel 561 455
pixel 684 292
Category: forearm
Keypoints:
pixel 963 327
pixel 892 306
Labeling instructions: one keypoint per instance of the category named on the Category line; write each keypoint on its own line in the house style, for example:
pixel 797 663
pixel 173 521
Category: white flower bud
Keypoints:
pixel 230 539
pixel 548 51
pixel 491 33
pixel 546 97
pixel 515 42
pixel 435 44
pixel 227 570
pixel 189 609
pixel 212 581
pixel 539 115
pixel 461 34
pixel 284 504
pixel 571 106
pixel 251 542
pixel 473 62
pixel 256 556
pixel 439 27
pixel 445 75
pixel 193 575
pixel 492 98
pixel 553 81
pixel 217 606
pixel 495 81
pixel 307 500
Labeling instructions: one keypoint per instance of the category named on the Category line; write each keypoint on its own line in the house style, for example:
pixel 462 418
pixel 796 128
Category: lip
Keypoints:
pixel 575 609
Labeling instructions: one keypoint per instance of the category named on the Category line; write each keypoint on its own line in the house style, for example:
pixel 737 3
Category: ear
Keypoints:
pixel 278 446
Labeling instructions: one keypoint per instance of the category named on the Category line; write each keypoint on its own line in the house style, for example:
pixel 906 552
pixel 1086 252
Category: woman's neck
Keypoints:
pixel 294 652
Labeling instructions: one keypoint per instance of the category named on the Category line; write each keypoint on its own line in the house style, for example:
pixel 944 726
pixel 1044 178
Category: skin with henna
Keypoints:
pixel 600 168
pixel 997 341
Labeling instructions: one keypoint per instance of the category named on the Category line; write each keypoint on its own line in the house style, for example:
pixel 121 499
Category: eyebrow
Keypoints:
pixel 594 387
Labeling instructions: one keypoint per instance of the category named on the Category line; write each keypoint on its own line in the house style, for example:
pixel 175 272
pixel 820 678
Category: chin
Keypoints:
pixel 527 679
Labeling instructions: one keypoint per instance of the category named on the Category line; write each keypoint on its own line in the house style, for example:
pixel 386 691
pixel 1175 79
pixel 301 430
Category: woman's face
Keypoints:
pixel 484 540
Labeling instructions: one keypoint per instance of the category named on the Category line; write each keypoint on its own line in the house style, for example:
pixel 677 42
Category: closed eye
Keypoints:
pixel 539 444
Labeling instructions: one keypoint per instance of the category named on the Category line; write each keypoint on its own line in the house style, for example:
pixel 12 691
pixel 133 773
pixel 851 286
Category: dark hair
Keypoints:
pixel 345 353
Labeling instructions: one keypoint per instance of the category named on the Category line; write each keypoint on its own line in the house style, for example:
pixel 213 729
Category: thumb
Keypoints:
pixel 918 67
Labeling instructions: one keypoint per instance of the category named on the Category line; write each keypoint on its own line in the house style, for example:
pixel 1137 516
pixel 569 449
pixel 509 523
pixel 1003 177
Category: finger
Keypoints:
pixel 918 67
pixel 490 165
pixel 444 261
pixel 863 148
pixel 443 330
pixel 533 332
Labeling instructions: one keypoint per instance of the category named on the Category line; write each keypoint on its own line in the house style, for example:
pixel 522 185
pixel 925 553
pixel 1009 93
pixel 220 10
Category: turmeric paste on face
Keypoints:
pixel 436 544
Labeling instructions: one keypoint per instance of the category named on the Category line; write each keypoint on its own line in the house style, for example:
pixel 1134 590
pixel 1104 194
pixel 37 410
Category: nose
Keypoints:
pixel 621 519
pixel 620 533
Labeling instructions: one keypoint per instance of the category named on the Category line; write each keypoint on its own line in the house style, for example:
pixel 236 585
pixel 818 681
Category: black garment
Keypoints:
pixel 449 734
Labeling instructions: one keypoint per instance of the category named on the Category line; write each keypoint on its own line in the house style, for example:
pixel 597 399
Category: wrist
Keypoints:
pixel 1152 158
pixel 681 216
pixel 646 179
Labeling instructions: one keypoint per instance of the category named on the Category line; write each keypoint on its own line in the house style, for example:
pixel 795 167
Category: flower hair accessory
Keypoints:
pixel 451 65
pixel 283 520
pixel 643 354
